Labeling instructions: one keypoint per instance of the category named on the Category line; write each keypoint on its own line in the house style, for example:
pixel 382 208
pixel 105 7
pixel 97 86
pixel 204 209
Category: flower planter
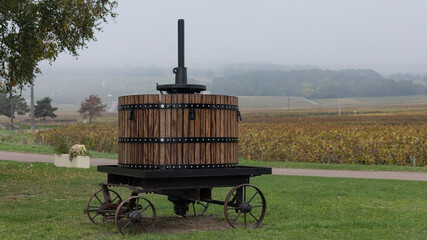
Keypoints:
pixel 77 162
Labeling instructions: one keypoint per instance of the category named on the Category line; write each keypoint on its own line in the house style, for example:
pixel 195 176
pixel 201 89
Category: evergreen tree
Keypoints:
pixel 12 105
pixel 43 109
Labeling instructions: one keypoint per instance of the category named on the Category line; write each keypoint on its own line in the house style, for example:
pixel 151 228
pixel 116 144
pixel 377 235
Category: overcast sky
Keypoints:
pixel 304 32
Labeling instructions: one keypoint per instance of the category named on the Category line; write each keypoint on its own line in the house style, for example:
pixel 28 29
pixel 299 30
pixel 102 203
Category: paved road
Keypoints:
pixel 417 176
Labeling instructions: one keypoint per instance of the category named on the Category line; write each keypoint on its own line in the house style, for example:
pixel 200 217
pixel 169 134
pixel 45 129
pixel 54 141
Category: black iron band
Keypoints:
pixel 146 106
pixel 175 167
pixel 179 140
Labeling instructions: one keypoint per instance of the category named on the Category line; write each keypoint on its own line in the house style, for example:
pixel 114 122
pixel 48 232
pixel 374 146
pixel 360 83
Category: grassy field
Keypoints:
pixel 39 201
pixel 374 101
pixel 248 103
pixel 262 103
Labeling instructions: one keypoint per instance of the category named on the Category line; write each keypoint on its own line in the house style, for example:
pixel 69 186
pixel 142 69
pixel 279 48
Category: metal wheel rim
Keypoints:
pixel 232 220
pixel 91 207
pixel 124 210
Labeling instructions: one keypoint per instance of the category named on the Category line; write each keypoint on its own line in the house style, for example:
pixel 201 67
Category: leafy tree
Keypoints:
pixel 43 109
pixel 35 30
pixel 12 105
pixel 92 107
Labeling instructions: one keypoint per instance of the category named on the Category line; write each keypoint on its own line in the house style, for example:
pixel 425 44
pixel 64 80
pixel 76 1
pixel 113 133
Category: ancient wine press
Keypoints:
pixel 181 144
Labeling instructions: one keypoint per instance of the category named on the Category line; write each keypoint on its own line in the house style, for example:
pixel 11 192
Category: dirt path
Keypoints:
pixel 416 176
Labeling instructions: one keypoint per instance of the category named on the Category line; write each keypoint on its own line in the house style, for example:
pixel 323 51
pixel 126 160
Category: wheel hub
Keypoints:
pixel 135 217
pixel 245 207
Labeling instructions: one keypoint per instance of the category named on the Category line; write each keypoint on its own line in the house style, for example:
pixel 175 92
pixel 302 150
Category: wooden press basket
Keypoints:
pixel 178 131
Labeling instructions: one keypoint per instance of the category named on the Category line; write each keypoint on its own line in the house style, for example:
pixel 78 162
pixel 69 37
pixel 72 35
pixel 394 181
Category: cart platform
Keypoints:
pixel 156 180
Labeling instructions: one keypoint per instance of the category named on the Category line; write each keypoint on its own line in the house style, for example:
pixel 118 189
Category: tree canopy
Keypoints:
pixel 92 107
pixel 35 30
pixel 44 109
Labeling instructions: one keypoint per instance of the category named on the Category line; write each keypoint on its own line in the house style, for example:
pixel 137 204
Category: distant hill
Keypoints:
pixel 314 83
pixel 70 85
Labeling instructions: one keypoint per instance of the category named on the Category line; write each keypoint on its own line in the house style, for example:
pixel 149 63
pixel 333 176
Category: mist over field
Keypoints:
pixel 303 48
pixel 72 85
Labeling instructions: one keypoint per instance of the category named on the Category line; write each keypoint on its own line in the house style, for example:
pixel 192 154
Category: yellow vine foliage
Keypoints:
pixel 393 139
pixel 101 137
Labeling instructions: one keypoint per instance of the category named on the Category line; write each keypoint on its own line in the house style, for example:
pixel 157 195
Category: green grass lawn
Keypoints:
pixel 40 201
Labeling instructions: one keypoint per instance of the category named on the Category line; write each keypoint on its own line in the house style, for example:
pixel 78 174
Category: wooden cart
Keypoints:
pixel 188 190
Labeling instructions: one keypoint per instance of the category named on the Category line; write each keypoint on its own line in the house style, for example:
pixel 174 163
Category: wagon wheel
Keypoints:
pixel 97 208
pixel 135 214
pixel 244 206
pixel 199 208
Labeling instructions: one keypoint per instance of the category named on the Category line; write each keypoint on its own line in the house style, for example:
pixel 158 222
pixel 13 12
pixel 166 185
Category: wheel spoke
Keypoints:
pixel 238 215
pixel 253 197
pixel 232 208
pixel 96 215
pixel 145 209
pixel 115 198
pixel 133 229
pixel 253 217
pixel 236 197
pixel 126 225
pixel 140 224
pixel 244 193
pixel 254 206
pixel 244 215
pixel 98 199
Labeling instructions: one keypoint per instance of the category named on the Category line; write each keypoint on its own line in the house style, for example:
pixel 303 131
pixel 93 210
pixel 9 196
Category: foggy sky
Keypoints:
pixel 359 33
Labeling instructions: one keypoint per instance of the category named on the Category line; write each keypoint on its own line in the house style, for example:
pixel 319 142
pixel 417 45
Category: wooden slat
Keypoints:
pixel 162 130
pixel 207 123
pixel 132 129
pixel 233 130
pixel 213 130
pixel 151 123
pixel 126 126
pixel 139 117
pixel 236 133
pixel 179 129
pixel 218 158
pixel 223 131
pixel 191 127
pixel 120 130
pixel 145 132
pixel 156 116
pixel 197 120
pixel 202 130
pixel 173 130
pixel 168 125
pixel 185 131
pixel 227 147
